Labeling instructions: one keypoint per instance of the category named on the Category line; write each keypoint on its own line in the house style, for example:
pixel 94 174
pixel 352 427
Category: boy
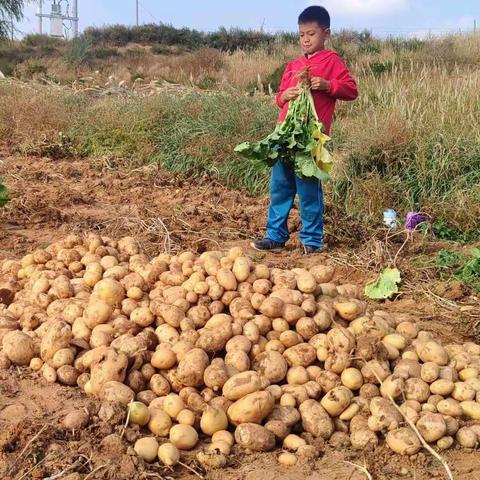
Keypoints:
pixel 330 81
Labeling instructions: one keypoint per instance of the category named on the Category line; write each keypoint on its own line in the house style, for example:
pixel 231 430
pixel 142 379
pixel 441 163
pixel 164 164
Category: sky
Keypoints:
pixel 382 17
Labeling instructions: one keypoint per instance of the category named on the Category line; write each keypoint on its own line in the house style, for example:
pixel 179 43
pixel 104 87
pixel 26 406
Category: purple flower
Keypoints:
pixel 414 219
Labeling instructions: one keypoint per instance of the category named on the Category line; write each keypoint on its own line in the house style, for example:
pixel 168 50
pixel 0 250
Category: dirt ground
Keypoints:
pixel 51 198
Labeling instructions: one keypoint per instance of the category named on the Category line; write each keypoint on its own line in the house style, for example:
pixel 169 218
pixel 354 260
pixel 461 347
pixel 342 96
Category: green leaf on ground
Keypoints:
pixel 4 198
pixel 385 285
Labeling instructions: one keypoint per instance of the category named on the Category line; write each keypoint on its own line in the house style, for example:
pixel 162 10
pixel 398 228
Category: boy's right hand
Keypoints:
pixel 290 94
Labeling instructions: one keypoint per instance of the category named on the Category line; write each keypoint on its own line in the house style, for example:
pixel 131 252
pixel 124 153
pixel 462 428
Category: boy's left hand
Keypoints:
pixel 319 83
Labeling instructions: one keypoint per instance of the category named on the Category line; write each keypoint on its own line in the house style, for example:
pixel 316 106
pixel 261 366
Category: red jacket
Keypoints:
pixel 326 64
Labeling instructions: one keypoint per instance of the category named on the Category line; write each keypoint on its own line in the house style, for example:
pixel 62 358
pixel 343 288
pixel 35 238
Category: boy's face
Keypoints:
pixel 312 37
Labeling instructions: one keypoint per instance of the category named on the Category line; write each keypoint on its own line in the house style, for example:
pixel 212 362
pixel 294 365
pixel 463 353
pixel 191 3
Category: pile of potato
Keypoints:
pixel 236 351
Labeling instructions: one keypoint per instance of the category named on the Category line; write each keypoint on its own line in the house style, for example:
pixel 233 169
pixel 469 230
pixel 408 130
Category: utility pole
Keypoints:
pixel 137 12
pixel 40 17
pixel 75 18
pixel 474 26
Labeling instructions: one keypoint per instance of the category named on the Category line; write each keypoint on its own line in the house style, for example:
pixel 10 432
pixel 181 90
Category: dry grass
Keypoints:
pixel 32 116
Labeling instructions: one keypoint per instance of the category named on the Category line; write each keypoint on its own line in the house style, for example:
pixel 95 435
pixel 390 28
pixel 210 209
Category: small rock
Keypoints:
pixel 404 472
pixel 73 476
pixel 112 413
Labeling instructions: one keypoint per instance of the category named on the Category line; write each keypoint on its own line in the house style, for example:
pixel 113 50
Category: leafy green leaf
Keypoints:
pixel 4 196
pixel 385 285
pixel 295 141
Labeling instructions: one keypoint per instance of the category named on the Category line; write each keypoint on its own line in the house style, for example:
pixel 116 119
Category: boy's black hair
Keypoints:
pixel 317 14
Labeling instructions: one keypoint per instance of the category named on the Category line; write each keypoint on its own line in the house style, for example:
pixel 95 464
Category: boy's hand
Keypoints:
pixel 319 83
pixel 290 94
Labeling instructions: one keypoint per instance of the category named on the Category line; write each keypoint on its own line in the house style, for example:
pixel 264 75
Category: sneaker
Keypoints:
pixel 311 250
pixel 266 245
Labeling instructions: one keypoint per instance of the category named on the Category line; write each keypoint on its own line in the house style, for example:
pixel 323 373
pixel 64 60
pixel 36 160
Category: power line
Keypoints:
pixel 149 13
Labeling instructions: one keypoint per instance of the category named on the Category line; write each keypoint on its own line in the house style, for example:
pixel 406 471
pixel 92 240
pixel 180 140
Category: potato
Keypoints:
pixel 403 441
pixel 347 310
pixel 76 420
pixel 138 413
pixel 463 392
pixel 213 420
pixel 288 400
pixel 272 307
pixel 223 436
pixel 110 291
pixel 341 339
pixel 471 409
pixel 254 437
pixel 163 358
pixel 110 366
pixel 219 447
pixel 49 373
pixel 316 420
pixel 159 422
pixel 241 268
pixel 241 385
pixel 417 389
pixel 431 351
pixel 252 408
pixel 468 373
pixel 186 417
pixel 226 279
pixel 302 355
pixel 337 400
pixel 36 363
pixel 18 347
pixel 337 362
pixel 287 459
pixel 297 376
pixel 430 372
pixel 67 375
pixel 289 338
pixel 392 387
pixel 352 378
pixel 293 442
pixel 375 371
pixel 323 273
pixel 211 460
pixel 442 387
pixel 192 367
pixel 467 438
pixel 146 448
pixel 349 412
pixel 57 336
pixel 173 405
pixel 184 437
pixel 168 454
pixel 306 282
pixel 432 427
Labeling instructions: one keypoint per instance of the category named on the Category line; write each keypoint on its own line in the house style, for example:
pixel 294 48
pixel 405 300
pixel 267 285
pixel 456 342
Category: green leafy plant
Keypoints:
pixel 445 231
pixel 385 285
pixel 4 197
pixel 298 141
pixel 463 267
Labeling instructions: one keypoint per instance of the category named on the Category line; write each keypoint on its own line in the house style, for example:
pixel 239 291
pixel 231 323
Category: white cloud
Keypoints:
pixel 363 7
pixel 462 24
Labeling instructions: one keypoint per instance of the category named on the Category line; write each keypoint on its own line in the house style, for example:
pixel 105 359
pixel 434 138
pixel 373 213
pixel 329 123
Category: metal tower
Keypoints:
pixel 59 15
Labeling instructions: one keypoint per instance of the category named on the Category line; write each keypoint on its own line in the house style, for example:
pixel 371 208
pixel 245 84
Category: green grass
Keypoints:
pixel 192 135
pixel 463 267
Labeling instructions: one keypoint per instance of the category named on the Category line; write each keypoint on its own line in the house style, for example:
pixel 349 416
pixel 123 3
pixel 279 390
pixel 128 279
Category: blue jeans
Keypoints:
pixel 284 185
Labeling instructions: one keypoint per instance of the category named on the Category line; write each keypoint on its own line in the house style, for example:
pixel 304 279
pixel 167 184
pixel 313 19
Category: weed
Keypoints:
pixel 464 267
